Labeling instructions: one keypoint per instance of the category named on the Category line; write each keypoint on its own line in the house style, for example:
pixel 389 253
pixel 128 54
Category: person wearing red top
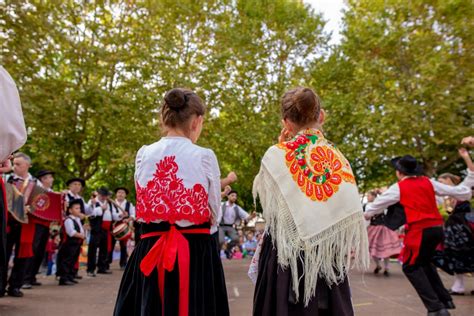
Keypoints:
pixel 424 228
pixel 45 180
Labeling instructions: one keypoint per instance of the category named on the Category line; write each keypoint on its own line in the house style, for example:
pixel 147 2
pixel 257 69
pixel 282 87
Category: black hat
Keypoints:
pixel 43 173
pixel 74 202
pixel 104 191
pixel 82 181
pixel 122 188
pixel 407 165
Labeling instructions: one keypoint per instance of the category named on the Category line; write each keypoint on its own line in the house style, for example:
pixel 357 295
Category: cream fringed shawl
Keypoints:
pixel 312 207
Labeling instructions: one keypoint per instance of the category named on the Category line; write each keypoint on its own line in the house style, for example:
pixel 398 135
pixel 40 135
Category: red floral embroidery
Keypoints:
pixel 166 198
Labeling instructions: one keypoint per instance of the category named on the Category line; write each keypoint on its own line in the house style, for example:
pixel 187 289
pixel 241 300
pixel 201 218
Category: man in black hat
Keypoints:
pixel 45 180
pixel 75 186
pixel 423 229
pixel 129 209
pixel 101 217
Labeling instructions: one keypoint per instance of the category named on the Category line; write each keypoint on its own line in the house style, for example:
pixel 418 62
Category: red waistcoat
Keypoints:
pixel 418 198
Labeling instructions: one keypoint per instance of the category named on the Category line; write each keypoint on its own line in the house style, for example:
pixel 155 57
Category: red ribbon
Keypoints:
pixel 171 246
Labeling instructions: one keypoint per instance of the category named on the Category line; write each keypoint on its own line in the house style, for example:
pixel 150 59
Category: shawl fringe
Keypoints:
pixel 329 254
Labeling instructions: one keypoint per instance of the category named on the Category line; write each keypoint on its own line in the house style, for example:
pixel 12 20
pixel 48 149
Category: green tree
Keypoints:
pixel 401 82
pixel 92 75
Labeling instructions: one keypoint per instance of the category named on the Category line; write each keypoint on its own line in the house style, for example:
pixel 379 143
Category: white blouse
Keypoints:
pixel 12 125
pixel 170 177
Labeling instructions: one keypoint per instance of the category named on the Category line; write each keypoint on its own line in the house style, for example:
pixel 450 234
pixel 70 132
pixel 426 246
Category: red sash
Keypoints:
pixel 171 246
pixel 107 225
pixel 412 240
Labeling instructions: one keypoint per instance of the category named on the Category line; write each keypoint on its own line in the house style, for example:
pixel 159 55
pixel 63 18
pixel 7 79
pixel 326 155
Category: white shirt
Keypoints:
pixel 196 165
pixel 107 214
pixel 69 225
pixel 461 192
pixel 123 204
pixel 12 124
pixel 229 216
pixel 87 207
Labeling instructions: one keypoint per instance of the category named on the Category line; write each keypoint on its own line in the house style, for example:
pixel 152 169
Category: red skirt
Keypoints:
pixel 383 242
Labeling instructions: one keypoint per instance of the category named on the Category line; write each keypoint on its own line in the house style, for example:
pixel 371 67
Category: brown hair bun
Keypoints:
pixel 301 106
pixel 179 106
pixel 176 99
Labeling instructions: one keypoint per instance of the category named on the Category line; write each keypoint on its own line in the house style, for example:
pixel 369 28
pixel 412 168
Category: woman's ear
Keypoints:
pixel 322 117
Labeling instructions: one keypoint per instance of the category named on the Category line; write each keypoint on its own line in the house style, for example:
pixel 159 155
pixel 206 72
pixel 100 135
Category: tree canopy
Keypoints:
pixel 92 75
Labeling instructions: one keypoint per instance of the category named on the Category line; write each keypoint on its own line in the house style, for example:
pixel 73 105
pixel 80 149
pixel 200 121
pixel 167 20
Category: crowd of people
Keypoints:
pixel 315 223
pixel 61 241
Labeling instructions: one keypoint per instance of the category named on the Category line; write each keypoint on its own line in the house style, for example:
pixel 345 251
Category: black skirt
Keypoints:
pixel 139 295
pixel 274 295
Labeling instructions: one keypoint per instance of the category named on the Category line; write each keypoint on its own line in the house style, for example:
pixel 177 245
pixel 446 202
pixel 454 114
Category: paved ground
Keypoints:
pixel 372 295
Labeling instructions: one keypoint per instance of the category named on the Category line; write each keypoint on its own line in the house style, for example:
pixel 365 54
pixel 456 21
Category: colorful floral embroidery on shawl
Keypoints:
pixel 317 167
pixel 166 198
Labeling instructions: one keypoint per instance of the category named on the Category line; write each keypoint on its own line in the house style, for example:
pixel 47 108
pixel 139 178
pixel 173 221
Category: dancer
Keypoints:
pixel 175 268
pixel 314 218
pixel 457 257
pixel 12 137
pixel 383 242
pixel 423 229
pixel 230 216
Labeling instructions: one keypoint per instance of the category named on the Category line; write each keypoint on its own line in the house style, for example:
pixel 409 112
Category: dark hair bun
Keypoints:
pixel 175 99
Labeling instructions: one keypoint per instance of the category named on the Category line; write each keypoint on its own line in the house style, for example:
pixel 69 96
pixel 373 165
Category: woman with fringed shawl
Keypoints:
pixel 315 226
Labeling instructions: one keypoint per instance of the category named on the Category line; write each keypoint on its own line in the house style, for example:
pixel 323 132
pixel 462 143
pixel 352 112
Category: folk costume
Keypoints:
pixel 86 209
pixel 20 235
pixel 101 235
pixel 69 196
pixel 229 216
pixel 423 229
pixel 69 250
pixel 39 243
pixel 383 242
pixel 457 255
pixel 12 137
pixel 175 268
pixel 315 229
pixel 129 208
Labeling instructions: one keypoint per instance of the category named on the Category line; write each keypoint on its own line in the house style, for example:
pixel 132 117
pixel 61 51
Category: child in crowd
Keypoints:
pixel 70 248
pixel 250 244
pixel 51 250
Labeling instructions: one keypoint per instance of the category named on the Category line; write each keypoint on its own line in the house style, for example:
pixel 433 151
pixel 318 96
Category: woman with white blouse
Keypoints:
pixel 175 270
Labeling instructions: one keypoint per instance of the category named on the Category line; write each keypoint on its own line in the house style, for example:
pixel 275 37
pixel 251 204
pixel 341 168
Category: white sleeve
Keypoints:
pixel 219 213
pixel 242 213
pixel 389 197
pixel 132 213
pixel 69 226
pixel 94 210
pixel 469 179
pixel 459 192
pixel 213 174
pixel 138 161
pixel 88 209
pixel 12 124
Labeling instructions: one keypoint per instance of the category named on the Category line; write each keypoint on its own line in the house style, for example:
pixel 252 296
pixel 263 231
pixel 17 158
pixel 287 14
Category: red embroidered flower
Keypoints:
pixel 166 198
